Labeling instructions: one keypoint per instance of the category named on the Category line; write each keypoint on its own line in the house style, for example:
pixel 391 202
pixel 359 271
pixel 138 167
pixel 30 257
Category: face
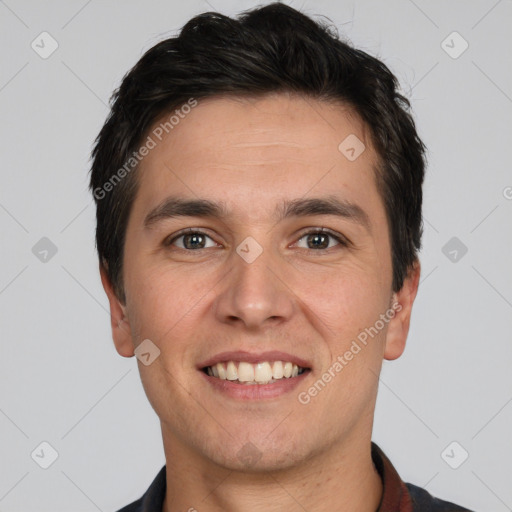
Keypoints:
pixel 288 262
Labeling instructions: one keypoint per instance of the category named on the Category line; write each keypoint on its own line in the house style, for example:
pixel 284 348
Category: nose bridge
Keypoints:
pixel 253 293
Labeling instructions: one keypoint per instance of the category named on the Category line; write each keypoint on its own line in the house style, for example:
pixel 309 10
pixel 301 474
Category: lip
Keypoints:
pixel 239 391
pixel 253 358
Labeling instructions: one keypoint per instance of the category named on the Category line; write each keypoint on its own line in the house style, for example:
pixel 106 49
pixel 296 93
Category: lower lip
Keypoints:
pixel 255 391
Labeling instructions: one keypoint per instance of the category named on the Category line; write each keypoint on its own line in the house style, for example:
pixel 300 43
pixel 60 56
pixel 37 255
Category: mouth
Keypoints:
pixel 260 373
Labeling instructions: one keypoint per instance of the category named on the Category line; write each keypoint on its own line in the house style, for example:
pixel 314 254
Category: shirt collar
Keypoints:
pixel 395 495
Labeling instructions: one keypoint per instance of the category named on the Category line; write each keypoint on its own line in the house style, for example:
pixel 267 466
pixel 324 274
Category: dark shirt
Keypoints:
pixel 397 496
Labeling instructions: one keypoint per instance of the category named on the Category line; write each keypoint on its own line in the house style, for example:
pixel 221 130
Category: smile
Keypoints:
pixel 266 372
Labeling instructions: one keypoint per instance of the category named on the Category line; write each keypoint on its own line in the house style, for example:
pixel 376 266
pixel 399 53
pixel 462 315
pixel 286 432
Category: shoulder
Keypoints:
pixel 136 506
pixel 153 498
pixel 423 501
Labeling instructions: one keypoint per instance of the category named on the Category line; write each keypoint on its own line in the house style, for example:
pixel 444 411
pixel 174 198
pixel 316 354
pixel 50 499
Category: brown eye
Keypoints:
pixel 191 240
pixel 318 240
pixel 321 240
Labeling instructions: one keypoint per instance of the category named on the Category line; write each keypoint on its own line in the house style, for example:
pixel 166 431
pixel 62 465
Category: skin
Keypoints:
pixel 252 154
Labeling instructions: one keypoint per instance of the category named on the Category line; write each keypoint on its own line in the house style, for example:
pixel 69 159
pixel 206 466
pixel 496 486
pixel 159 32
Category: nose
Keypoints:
pixel 255 294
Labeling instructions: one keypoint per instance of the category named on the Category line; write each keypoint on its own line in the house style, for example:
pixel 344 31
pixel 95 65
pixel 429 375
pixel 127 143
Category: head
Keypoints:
pixel 273 126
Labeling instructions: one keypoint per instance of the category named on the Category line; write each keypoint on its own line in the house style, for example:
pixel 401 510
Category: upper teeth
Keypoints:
pixel 259 373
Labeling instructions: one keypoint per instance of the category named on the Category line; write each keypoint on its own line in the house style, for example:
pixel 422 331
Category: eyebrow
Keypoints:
pixel 173 207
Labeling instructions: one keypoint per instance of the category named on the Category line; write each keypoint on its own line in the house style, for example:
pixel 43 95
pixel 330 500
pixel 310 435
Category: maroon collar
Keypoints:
pixel 395 495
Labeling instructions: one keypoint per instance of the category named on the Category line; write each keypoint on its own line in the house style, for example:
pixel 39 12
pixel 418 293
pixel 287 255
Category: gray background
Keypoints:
pixel 61 379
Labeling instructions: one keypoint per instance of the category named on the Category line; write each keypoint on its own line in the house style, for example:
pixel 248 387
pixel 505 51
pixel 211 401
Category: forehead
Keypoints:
pixel 282 124
pixel 248 151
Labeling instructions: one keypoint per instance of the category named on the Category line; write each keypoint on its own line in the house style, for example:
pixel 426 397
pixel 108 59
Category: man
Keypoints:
pixel 258 187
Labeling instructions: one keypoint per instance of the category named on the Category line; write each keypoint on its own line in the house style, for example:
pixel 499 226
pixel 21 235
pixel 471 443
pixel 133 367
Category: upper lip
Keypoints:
pixel 254 357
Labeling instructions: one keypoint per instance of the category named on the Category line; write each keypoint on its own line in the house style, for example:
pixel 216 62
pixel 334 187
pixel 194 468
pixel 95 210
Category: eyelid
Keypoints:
pixel 341 239
pixel 172 238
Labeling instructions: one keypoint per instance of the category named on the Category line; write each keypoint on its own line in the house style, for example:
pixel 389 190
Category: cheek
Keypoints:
pixel 164 302
pixel 346 299
pixel 349 305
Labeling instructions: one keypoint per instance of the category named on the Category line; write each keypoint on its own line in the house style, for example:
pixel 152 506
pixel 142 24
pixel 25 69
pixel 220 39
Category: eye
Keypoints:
pixel 319 239
pixel 316 239
pixel 189 240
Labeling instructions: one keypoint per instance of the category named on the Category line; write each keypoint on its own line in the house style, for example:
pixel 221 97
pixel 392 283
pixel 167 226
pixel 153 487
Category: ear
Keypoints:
pixel 121 331
pixel 398 326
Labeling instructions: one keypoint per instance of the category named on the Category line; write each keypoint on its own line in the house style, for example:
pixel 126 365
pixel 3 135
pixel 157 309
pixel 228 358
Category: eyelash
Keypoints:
pixel 343 242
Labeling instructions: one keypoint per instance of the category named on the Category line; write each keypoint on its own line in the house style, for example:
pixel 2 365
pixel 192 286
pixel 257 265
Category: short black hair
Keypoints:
pixel 265 50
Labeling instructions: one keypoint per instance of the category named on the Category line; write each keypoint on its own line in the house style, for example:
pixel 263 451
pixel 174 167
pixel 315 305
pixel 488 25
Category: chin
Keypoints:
pixel 260 453
pixel 250 459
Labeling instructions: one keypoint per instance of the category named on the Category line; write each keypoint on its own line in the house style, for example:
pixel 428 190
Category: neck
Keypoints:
pixel 344 478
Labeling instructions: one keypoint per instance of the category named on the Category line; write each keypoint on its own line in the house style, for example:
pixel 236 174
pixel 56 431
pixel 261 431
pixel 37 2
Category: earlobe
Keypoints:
pixel 121 331
pixel 398 327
